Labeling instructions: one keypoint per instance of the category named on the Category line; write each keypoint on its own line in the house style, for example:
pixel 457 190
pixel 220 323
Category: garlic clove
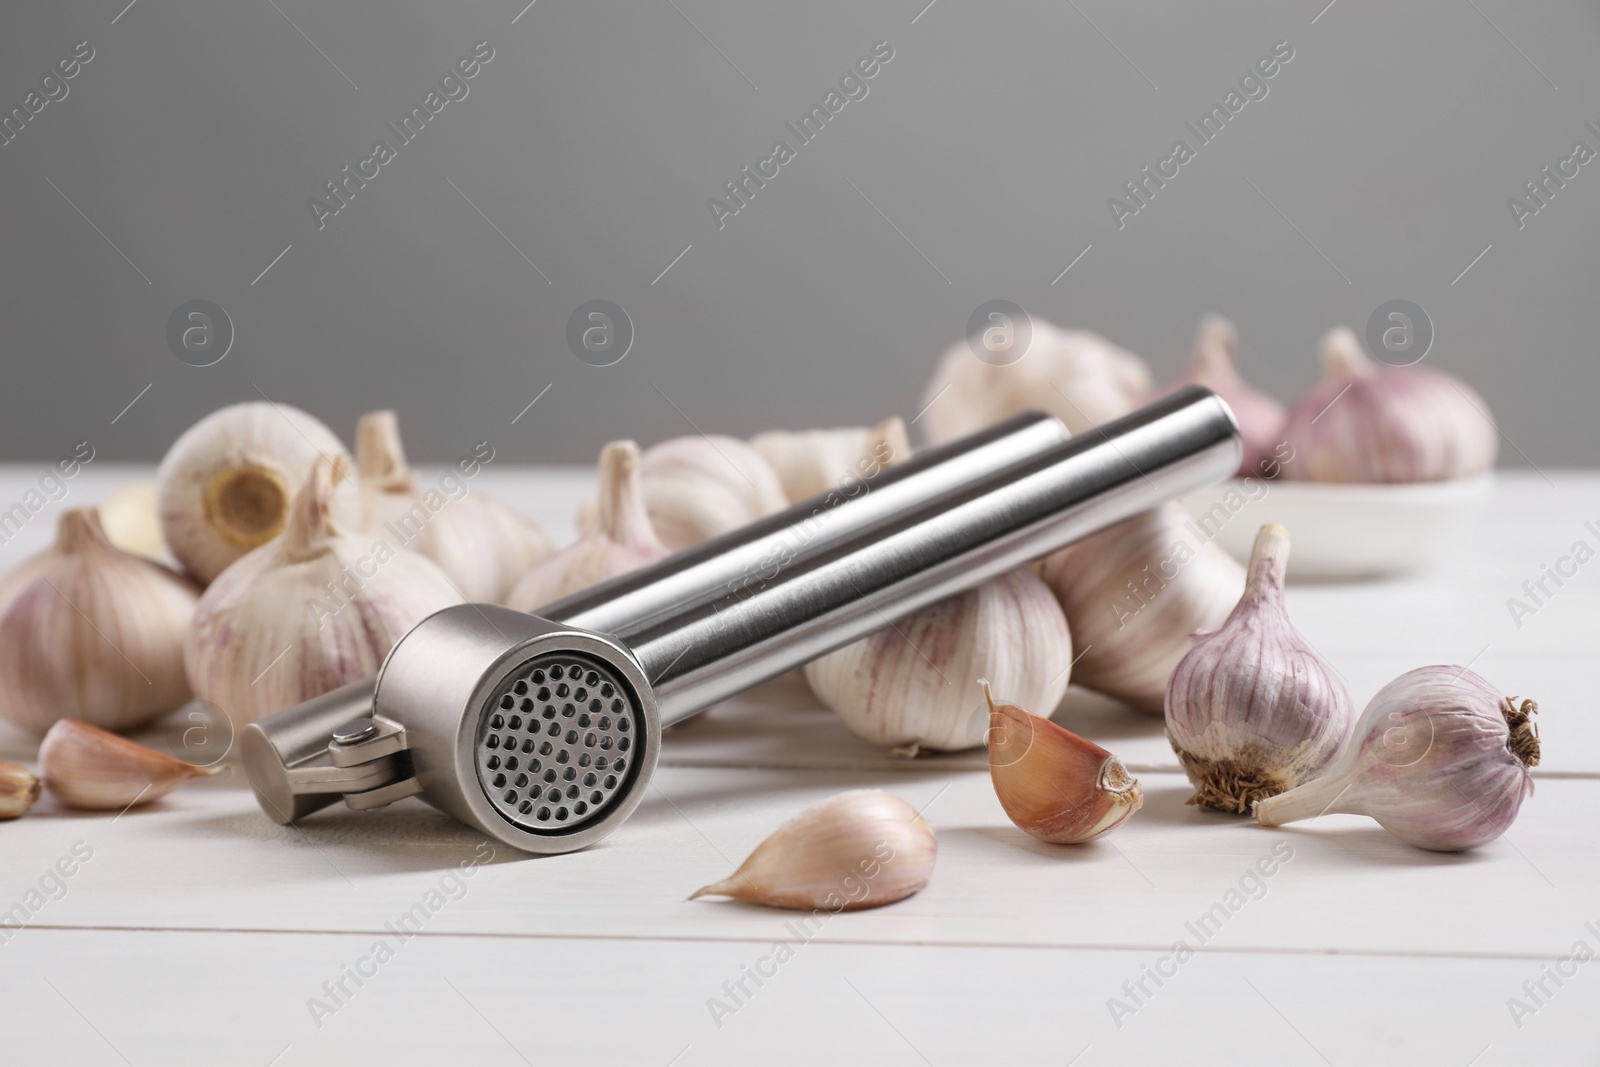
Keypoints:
pixel 86 767
pixel 132 521
pixel 19 788
pixel 1133 595
pixel 696 488
pixel 480 543
pixel 1260 417
pixel 89 631
pixel 1053 784
pixel 1369 423
pixel 1252 710
pixel 1439 758
pixel 810 462
pixel 225 486
pixel 860 849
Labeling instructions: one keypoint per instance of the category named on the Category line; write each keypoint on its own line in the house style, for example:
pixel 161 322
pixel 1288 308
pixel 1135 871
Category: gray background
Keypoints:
pixel 593 139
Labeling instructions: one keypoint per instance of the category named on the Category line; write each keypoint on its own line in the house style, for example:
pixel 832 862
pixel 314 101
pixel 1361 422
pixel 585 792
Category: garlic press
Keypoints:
pixel 542 730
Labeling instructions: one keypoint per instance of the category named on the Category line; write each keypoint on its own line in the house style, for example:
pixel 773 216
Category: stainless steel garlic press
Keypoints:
pixel 542 730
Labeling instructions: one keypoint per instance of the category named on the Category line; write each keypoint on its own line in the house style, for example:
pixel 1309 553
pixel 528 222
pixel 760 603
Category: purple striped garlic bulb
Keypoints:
pixel 1368 423
pixel 1261 418
pixel 1252 710
pixel 1440 759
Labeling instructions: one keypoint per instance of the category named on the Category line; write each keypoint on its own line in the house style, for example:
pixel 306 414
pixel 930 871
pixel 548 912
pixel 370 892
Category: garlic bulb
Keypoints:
pixel 307 612
pixel 621 539
pixel 88 631
pixel 1252 710
pixel 1077 376
pixel 225 485
pixel 480 544
pixel 18 790
pixel 910 686
pixel 810 462
pixel 130 519
pixel 1135 593
pixel 860 849
pixel 1052 783
pixel 88 768
pixel 1261 418
pixel 1439 758
pixel 696 488
pixel 1368 423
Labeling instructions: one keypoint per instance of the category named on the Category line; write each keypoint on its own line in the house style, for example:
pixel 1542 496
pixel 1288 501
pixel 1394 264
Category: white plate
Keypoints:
pixel 1343 531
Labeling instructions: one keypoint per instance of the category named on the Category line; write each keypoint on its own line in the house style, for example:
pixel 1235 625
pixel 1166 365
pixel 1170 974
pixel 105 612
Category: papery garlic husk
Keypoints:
pixel 1260 417
pixel 861 849
pixel 88 631
pixel 1370 423
pixel 19 788
pixel 481 545
pixel 225 486
pixel 1075 375
pixel 696 488
pixel 1439 758
pixel 88 768
pixel 309 611
pixel 132 521
pixel 1053 784
pixel 1252 710
pixel 1134 594
pixel 620 541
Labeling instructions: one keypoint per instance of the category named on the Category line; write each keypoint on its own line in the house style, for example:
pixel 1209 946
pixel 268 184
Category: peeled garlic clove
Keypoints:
pixel 1439 758
pixel 1075 375
pixel 1134 594
pixel 88 768
pixel 696 488
pixel 621 539
pixel 860 849
pixel 1252 710
pixel 89 631
pixel 131 520
pixel 311 610
pixel 18 790
pixel 482 545
pixel 225 486
pixel 1052 783
pixel 1260 417
pixel 1368 423
pixel 810 462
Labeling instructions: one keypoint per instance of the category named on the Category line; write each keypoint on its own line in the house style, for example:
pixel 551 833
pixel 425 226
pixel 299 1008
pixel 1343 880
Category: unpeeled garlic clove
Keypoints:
pixel 91 632
pixel 1369 423
pixel 696 488
pixel 1053 784
pixel 860 849
pixel 810 462
pixel 1440 759
pixel 1260 417
pixel 88 768
pixel 19 788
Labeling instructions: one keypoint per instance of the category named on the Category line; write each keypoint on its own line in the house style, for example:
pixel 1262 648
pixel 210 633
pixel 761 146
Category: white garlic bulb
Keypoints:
pixel 1075 375
pixel 90 769
pixel 1260 417
pixel 1439 758
pixel 1252 710
pixel 88 631
pixel 1134 594
pixel 696 488
pixel 861 849
pixel 131 520
pixel 1368 423
pixel 307 612
pixel 810 462
pixel 621 540
pixel 482 545
pixel 224 487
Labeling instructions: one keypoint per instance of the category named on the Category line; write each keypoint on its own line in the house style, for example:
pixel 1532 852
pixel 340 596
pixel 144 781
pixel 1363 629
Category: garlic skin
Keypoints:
pixel 90 769
pixel 224 487
pixel 1053 784
pixel 909 686
pixel 620 541
pixel 861 849
pixel 309 611
pixel 1075 375
pixel 1368 423
pixel 481 545
pixel 1252 710
pixel 132 522
pixel 1440 759
pixel 810 462
pixel 19 788
pixel 1134 594
pixel 696 488
pixel 1260 417
pixel 88 631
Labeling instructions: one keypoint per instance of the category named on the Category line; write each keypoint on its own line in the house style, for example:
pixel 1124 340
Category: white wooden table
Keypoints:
pixel 199 932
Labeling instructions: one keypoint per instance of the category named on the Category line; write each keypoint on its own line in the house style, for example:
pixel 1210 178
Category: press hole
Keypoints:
pixel 583 759
pixel 511 796
pixel 616 706
pixel 562 756
pixel 527 746
pixel 605 722
pixel 605 743
pixel 611 781
pixel 622 725
pixel 553 795
pixel 581 695
pixel 606 690
pixel 516 722
pixel 543 693
pixel 536 677
pixel 589 739
pixel 570 773
pixel 554 730
pixel 584 721
pixel 544 815
pixel 555 672
pixel 567 710
pixel 549 711
pixel 622 744
pixel 494 763
pixel 572 792
pixel 496 721
pixel 563 690
pixel 527 704
pixel 572 737
pixel 580 807
pixel 522 781
pixel 590 778
pixel 550 775
pixel 591 679
pixel 596 797
pixel 526 806
pixel 507 701
pixel 492 742
pixel 511 763
pixel 520 688
pixel 619 766
pixel 499 781
pixel 561 814
pixel 600 763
